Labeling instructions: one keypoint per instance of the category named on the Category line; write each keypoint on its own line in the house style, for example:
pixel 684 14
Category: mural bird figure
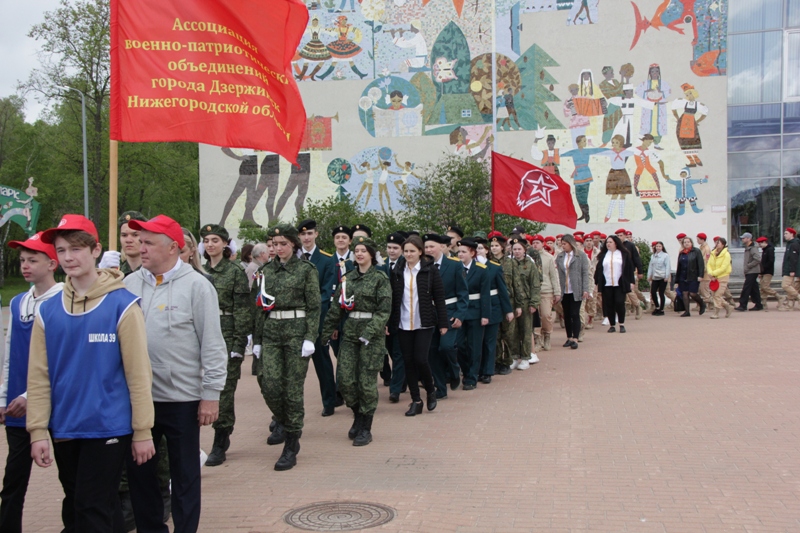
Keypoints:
pixel 670 14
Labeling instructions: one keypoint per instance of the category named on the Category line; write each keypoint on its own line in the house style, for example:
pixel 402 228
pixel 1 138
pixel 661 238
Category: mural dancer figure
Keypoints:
pixel 463 147
pixel 298 179
pixel 650 189
pixel 344 2
pixel 344 49
pixel 618 183
pixel 611 88
pixel 583 9
pixel 693 113
pixel 366 169
pixel 577 122
pixel 408 170
pixel 416 41
pixel 550 159
pixel 655 91
pixel 383 188
pixel 684 190
pixel 314 52
pixel 248 175
pixel 582 175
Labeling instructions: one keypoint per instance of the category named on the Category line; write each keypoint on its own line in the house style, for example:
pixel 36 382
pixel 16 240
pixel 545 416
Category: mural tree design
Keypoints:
pixel 450 57
pixel 537 90
pixel 508 77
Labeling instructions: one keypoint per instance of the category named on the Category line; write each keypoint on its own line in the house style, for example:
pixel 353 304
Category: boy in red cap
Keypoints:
pixel 89 381
pixel 38 263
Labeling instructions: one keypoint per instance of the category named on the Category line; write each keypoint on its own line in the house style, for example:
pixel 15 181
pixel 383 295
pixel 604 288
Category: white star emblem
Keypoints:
pixel 535 186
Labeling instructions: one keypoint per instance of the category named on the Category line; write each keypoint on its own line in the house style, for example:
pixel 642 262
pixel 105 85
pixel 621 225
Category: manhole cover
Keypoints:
pixel 339 516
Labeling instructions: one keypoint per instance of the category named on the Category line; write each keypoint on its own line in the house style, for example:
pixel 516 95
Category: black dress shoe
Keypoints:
pixel 454 383
pixel 740 308
pixel 469 386
pixel 486 379
pixel 612 329
pixel 431 401
pixel 621 328
pixel 414 408
pixel 686 313
pixel 703 307
pixel 327 411
pixel 504 370
pixel 339 400
pixel 757 308
pixel 440 396
pixel 567 344
pixel 394 397
pixel 574 345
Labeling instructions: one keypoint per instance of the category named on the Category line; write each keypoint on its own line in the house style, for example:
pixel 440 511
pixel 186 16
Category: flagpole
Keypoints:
pixel 112 194
pixel 494 96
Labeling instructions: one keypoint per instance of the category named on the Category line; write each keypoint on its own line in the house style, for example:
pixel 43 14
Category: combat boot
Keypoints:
pixel 277 436
pixel 537 343
pixel 364 434
pixel 546 342
pixel 291 448
pixel 222 441
pixel 357 421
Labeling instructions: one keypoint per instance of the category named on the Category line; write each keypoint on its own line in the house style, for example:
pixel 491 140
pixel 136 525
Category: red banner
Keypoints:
pixel 210 71
pixel 318 134
pixel 523 190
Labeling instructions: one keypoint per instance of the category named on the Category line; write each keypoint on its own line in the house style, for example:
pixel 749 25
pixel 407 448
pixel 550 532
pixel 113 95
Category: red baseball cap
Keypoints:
pixel 71 222
pixel 703 236
pixel 35 244
pixel 161 224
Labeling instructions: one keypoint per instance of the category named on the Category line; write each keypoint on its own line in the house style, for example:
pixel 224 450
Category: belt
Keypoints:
pixel 450 301
pixel 359 314
pixel 285 315
pixel 475 296
pixel 225 313
pixel 493 292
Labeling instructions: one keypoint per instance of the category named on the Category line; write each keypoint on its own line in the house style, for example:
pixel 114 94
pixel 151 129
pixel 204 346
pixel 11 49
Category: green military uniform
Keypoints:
pixel 507 337
pixel 235 317
pixel 529 287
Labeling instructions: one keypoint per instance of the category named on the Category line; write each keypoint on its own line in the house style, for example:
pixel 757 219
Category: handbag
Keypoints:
pixel 714 285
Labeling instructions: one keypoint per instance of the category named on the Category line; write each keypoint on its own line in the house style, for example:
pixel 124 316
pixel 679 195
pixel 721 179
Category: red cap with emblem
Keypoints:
pixel 71 222
pixel 36 244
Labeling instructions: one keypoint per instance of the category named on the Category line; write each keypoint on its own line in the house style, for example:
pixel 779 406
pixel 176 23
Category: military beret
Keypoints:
pixel 538 237
pixel 603 236
pixel 559 235
pixel 469 243
pixel 306 225
pixel 680 236
pixel 620 231
pixel 791 230
pixel 127 216
pixel 519 230
pixel 364 228
pixel 514 240
pixel 366 241
pixel 480 240
pixel 628 232
pixel 342 229
pixel 395 238
pixel 576 233
pixel 481 234
pixel 762 239
pixel 405 234
pixel 578 238
pixel 703 236
pixel 283 230
pixel 413 232
pixel 458 231
pixel 434 237
pixel 549 238
pixel 529 238
pixel 716 238
pixel 215 229
pixel 496 236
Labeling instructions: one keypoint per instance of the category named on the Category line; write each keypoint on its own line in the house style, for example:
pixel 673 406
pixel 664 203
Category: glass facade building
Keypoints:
pixel 764 117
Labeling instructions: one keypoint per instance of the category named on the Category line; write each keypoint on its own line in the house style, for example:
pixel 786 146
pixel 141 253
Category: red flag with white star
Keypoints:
pixel 523 190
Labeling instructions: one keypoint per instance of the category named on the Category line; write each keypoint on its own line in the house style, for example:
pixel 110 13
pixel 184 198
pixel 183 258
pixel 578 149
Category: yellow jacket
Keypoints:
pixel 719 266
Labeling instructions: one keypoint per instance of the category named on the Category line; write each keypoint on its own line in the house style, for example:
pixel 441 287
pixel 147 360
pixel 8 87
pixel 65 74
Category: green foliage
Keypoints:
pixel 453 46
pixel 645 252
pixel 250 233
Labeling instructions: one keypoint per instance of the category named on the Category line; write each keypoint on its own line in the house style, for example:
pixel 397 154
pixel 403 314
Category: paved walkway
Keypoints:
pixel 679 425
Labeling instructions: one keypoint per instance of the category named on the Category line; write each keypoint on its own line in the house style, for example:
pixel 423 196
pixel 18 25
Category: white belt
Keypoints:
pixel 493 292
pixel 450 301
pixel 476 296
pixel 285 315
pixel 359 314
pixel 225 313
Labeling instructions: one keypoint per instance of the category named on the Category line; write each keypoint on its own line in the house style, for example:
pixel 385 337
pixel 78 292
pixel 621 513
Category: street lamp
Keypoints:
pixel 85 161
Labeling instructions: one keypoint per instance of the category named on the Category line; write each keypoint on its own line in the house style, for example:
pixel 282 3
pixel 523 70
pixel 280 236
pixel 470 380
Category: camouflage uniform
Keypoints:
pixel 235 317
pixel 530 282
pixel 508 329
pixel 294 286
pixel 358 364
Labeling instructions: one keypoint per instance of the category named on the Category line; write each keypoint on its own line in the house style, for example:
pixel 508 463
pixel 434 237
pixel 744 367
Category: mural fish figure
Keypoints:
pixel 670 14
pixel 708 64
pixel 443 69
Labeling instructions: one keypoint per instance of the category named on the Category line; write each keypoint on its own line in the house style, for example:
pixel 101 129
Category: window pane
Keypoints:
pixel 754 73
pixel 749 144
pixel 791 163
pixel 754 165
pixel 754 120
pixel 793 13
pixel 793 65
pixel 755 207
pixel 791 118
pixel 789 141
pixel 753 15
pixel 791 202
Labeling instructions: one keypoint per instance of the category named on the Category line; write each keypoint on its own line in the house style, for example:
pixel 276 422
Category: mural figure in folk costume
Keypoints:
pixel 550 159
pixel 627 104
pixel 611 88
pixel 655 91
pixel 343 48
pixel 577 122
pixel 464 147
pixel 314 52
pixel 692 113
pixel 645 178
pixel 415 40
pixel 684 190
pixel 618 183
pixel 582 174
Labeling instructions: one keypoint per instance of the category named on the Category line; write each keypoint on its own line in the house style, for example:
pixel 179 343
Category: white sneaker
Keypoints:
pixel 605 321
pixel 523 365
pixel 533 359
pixel 515 364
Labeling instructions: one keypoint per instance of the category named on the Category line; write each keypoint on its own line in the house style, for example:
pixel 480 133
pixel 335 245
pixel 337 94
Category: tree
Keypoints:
pixel 11 121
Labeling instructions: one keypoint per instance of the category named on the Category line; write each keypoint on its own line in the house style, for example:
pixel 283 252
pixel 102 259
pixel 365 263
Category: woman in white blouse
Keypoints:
pixel 615 277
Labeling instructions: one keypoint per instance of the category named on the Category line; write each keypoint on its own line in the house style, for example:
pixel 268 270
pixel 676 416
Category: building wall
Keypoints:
pixel 406 81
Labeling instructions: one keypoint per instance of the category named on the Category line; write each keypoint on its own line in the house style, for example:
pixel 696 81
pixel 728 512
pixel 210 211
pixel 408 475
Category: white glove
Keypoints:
pixel 308 349
pixel 365 341
pixel 257 351
pixel 235 355
pixel 110 259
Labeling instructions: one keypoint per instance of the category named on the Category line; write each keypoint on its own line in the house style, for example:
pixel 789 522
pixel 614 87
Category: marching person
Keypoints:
pixel 287 327
pixel 364 301
pixel 689 274
pixel 614 277
pixel 89 382
pixel 658 274
pixel 529 287
pixel 705 249
pixel 719 268
pixel 767 269
pixel 189 358
pixel 236 320
pixel 501 308
pixel 418 307
pixel 789 269
pixel 550 284
pixel 38 263
pixel 129 259
pixel 478 312
pixel 752 269
pixel 573 275
pixel 633 295
pixel 397 383
pixel 506 338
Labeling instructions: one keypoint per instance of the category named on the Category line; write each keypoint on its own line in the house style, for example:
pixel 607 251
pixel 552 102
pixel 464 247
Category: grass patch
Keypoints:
pixel 12 287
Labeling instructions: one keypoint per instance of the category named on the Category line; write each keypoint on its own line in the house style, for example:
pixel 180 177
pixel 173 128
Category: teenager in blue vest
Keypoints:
pixel 38 263
pixel 443 353
pixel 478 311
pixel 89 381
pixel 501 307
pixel 397 382
pixel 326 270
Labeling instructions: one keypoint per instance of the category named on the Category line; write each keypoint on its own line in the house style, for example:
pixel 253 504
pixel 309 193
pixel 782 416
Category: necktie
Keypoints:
pixel 159 280
pixel 436 265
pixel 466 271
pixel 308 256
pixel 391 265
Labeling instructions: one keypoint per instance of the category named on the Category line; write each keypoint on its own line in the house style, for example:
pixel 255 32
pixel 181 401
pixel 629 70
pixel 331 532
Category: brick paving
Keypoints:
pixel 680 425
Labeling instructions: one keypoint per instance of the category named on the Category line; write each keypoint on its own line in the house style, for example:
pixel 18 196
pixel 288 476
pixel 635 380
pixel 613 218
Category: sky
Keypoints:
pixel 17 50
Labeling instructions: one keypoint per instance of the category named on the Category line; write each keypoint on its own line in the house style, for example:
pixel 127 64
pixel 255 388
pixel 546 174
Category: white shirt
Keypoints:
pixel 466 267
pixel 151 279
pixel 409 309
pixel 567 261
pixel 301 253
pixel 612 268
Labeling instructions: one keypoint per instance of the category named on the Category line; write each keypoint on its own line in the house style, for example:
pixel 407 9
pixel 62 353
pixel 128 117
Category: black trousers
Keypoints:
pixel 657 288
pixel 89 471
pixel 178 422
pixel 572 315
pixel 750 291
pixel 614 304
pixel 415 345
pixel 323 366
pixel 15 480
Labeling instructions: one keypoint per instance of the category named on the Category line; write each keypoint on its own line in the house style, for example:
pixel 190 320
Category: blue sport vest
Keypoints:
pixel 18 358
pixel 89 393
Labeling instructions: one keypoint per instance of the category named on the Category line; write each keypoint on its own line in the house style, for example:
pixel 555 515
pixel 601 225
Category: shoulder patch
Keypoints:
pixel 479 264
pixel 326 254
pixel 495 262
pixel 456 259
pixel 382 273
